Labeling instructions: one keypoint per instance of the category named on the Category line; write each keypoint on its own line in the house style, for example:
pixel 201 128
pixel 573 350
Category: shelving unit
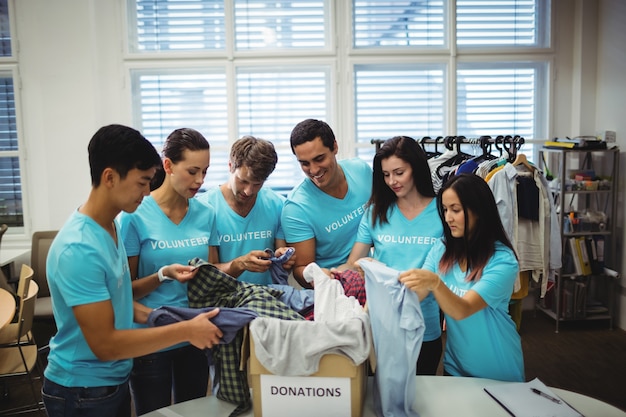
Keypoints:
pixel 578 294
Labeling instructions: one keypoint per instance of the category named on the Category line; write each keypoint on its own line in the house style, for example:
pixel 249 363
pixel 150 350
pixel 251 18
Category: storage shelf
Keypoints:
pixel 584 191
pixel 572 290
pixel 573 234
pixel 588 316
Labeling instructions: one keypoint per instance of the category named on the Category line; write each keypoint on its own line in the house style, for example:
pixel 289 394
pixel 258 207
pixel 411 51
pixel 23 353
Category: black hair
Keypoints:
pixel 121 148
pixel 309 129
pixel 477 245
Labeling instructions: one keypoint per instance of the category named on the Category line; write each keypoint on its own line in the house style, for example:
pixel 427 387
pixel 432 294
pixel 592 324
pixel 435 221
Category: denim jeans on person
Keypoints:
pixel 111 401
pixel 172 376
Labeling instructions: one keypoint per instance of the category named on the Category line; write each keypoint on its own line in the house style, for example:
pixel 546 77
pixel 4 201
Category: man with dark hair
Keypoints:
pixel 248 214
pixel 321 215
pixel 90 355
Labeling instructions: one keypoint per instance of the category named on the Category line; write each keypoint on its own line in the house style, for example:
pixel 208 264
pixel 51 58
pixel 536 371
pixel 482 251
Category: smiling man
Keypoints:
pixel 321 215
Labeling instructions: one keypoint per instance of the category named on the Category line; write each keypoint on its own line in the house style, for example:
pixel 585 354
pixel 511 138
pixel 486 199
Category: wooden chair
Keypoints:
pixel 18 349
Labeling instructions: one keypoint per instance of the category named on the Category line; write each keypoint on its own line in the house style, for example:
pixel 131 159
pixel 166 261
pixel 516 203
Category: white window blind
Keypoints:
pixel 271 101
pixel 176 25
pixel 501 23
pixel 279 24
pixel 499 99
pixel 5 30
pixel 196 25
pixel 394 100
pixel 11 211
pixel 394 78
pixel 171 99
pixel 398 23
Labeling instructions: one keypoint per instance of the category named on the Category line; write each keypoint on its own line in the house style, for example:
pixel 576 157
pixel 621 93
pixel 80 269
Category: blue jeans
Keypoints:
pixel 179 374
pixel 63 401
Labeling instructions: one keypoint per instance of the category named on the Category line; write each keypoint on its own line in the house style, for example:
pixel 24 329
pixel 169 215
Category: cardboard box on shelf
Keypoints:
pixel 337 388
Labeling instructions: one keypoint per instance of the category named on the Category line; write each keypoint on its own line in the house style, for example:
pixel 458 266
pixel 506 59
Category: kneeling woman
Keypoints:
pixel 471 273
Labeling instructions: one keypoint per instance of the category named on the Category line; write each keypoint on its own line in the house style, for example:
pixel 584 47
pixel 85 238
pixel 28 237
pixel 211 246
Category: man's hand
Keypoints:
pixel 255 261
pixel 289 263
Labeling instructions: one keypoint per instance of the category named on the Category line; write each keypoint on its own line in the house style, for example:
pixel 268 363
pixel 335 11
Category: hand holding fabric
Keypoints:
pixel 421 281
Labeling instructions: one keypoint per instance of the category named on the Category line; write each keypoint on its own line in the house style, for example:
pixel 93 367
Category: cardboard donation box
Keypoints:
pixel 336 389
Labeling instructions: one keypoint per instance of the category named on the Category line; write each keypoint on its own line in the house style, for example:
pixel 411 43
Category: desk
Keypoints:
pixel 437 396
pixel 7 307
pixel 8 256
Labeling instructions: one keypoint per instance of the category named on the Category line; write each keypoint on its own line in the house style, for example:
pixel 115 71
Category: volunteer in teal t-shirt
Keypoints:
pixel 248 215
pixel 471 273
pixel 169 229
pixel 400 225
pixel 90 357
pixel 322 214
pixel 259 230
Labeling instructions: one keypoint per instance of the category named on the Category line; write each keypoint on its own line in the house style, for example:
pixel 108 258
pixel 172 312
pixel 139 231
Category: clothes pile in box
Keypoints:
pixel 242 302
pixel 316 367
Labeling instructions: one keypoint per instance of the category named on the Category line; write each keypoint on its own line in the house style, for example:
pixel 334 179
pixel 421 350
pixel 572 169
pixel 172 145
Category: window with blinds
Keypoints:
pixel 5 30
pixel 383 24
pixel 397 100
pixel 271 101
pixel 500 98
pixel 512 23
pixel 199 25
pixel 176 25
pixel 391 23
pixel 168 99
pixel 11 211
pixel 416 68
pixel 280 24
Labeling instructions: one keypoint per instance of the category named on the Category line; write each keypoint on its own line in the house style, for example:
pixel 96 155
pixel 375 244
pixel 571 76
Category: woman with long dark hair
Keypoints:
pixel 401 224
pixel 471 273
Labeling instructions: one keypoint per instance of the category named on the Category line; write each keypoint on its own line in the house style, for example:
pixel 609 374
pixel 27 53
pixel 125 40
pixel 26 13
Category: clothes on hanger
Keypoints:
pixel 521 191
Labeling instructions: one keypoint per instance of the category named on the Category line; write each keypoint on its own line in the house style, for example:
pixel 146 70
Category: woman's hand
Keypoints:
pixel 420 281
pixel 180 273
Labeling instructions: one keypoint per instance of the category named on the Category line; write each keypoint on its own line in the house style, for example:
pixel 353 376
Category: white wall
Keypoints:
pixel 610 113
pixel 73 81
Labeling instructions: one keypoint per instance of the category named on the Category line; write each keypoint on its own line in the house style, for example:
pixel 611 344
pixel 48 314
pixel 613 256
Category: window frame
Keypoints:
pixel 10 65
pixel 343 57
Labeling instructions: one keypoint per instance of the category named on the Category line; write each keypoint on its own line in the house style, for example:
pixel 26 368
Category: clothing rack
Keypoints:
pixel 449 141
pixel 503 143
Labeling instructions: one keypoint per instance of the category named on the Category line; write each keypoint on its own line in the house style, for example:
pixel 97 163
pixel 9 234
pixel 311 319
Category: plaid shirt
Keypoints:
pixel 214 288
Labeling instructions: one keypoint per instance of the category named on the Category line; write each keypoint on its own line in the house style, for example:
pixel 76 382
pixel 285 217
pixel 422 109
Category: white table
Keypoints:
pixel 437 396
pixel 8 256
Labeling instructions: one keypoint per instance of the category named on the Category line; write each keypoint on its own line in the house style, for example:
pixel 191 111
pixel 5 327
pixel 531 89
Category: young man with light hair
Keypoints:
pixel 248 214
